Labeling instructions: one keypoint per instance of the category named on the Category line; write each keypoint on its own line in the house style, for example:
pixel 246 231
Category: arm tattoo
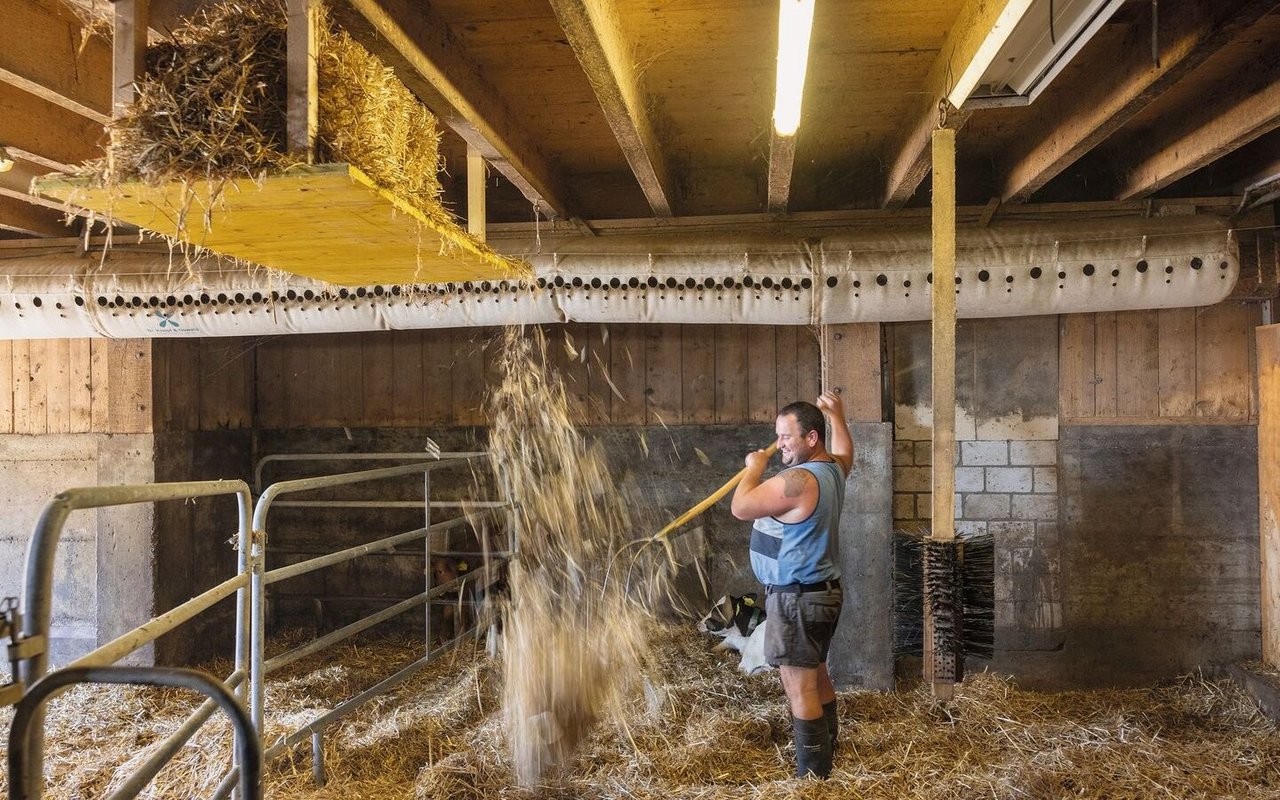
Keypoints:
pixel 793 482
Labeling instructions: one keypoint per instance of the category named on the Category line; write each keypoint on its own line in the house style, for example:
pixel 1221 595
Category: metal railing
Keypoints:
pixel 32 643
pixel 250 584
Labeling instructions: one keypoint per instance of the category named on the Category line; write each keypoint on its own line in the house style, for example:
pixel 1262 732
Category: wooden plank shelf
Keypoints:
pixel 329 222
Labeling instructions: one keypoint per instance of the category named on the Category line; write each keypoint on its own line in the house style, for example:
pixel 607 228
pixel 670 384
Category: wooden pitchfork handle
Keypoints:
pixel 711 500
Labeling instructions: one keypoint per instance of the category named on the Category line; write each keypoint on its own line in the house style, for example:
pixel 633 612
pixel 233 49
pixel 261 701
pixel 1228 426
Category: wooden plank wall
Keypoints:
pixel 75 386
pixel 615 374
pixel 1268 343
pixel 1188 365
pixel 203 384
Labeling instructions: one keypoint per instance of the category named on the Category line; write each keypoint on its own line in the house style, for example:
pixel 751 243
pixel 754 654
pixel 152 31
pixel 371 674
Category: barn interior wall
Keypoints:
pixel 1068 424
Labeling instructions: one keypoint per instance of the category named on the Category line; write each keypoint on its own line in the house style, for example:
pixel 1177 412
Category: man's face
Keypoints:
pixel 794 447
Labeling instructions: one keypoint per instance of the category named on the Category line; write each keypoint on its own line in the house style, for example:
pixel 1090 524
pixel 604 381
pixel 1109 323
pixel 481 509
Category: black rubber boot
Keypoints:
pixel 813 747
pixel 833 724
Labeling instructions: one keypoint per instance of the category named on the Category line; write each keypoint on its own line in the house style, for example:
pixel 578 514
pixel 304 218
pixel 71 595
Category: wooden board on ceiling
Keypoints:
pixel 329 222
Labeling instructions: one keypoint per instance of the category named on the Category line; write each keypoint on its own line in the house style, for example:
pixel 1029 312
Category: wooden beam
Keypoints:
pixel 782 157
pixel 16 183
pixel 412 39
pixel 303 97
pixel 30 124
pixel 476 213
pixel 940 666
pixel 595 34
pixel 48 53
pixel 20 216
pixel 1268 350
pixel 910 163
pixel 129 51
pixel 1188 35
pixel 1207 132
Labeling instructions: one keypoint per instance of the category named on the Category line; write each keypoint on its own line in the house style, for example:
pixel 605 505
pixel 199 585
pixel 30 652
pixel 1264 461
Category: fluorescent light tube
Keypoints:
pixel 795 23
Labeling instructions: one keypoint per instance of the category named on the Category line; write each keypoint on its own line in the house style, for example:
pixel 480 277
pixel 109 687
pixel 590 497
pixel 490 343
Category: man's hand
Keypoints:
pixel 756 461
pixel 829 403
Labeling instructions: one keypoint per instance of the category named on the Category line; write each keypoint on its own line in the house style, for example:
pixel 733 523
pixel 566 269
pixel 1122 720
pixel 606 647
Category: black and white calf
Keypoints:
pixel 740 622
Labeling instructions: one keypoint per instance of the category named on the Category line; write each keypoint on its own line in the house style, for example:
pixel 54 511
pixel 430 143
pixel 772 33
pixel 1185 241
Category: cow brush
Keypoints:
pixel 956 577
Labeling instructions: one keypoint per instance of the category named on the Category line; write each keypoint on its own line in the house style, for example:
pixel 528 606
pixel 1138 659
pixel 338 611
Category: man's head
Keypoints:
pixel 801 430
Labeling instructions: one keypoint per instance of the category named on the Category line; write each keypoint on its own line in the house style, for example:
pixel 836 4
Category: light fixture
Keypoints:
pixel 795 23
pixel 1029 53
pixel 6 160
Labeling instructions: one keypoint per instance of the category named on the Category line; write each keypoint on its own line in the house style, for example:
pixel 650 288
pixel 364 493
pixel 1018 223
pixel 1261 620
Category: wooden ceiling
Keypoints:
pixel 655 108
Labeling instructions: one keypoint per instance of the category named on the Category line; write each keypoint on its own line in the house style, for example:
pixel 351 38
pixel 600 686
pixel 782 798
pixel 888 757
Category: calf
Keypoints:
pixel 740 622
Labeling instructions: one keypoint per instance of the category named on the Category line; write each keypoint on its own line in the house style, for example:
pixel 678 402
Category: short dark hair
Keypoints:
pixel 809 417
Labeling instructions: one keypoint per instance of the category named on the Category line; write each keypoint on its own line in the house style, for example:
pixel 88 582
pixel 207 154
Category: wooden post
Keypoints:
pixel 1269 487
pixel 940 667
pixel 475 193
pixel 128 51
pixel 303 113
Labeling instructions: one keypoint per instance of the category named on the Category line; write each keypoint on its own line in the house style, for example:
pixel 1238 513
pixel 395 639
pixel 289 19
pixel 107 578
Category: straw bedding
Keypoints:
pixel 702 731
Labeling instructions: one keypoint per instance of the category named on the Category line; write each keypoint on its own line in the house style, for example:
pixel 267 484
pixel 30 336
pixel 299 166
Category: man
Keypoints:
pixel 793 542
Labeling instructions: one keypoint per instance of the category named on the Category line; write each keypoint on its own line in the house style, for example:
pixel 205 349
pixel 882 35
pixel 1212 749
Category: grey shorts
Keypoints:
pixel 800 627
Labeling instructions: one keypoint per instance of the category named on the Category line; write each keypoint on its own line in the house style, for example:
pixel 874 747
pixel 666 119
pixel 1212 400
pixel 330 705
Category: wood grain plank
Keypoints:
pixel 784 338
pixel 22 420
pixel 853 366
pixel 1177 362
pixel 732 375
pixel 349 371
pixel 1104 364
pixel 762 373
pixel 600 401
pixel 663 383
pixel 219 381
pixel 269 383
pixel 1267 343
pixel 468 377
pixel 1138 364
pixel 808 364
pixel 1253 320
pixel 407 398
pixel 566 346
pixel 698 373
pixel 129 405
pixel 377 358
pixel 58 385
pixel 437 377
pixel 299 402
pixel 99 385
pixel 1222 368
pixel 627 370
pixel 79 377
pixel 38 386
pixel 241 355
pixel 1076 334
pixel 6 386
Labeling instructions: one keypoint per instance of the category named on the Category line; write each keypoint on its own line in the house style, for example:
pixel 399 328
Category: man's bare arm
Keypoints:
pixel 841 440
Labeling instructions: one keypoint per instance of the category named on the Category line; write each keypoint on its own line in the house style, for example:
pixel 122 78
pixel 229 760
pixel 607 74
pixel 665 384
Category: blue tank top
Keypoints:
pixel 802 552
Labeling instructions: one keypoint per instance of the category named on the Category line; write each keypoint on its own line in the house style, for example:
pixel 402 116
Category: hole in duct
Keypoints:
pixel 653 281
pixel 102 301
pixel 855 294
pixel 806 284
pixel 1008 291
pixel 1222 265
pixel 257 297
pixel 1142 265
pixel 239 297
pixel 291 294
pixel 906 284
pixel 1008 279
pixel 1114 284
pixel 767 283
pixel 1115 273
pixel 119 300
pixel 671 283
pixel 881 280
pixel 786 283
pixel 928 278
pixel 18 305
pixel 37 302
pixel 634 282
pixel 1168 270
pixel 983 275
pixel 79 300
pixel 577 283
pixel 308 295
pixel 153 301
pixel 1168 280
pixel 171 301
pixel 595 283
pixel 137 302
pixel 959 280
pixel 747 281
pixel 542 283
pixel 709 283
pixel 1196 263
pixel 728 283
pixel 559 280
pixel 395 290
pixel 343 293
pixel 857 284
pixel 614 283
pixel 689 283
pixel 58 306
pixel 1061 286
pixel 1088 269
pixel 361 291
pixel 222 298
pixel 1036 272
pixel 1062 276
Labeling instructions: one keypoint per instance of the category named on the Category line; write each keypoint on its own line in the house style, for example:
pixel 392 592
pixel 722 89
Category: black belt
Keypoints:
pixel 804 588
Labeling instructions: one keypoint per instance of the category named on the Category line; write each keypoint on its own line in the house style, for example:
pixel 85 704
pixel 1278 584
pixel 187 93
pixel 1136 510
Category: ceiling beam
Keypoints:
pixel 1129 81
pixel 782 157
pixel 16 183
pixel 52 56
pixel 1242 113
pixel 412 39
pixel 910 164
pixel 46 130
pixel 20 216
pixel 594 33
